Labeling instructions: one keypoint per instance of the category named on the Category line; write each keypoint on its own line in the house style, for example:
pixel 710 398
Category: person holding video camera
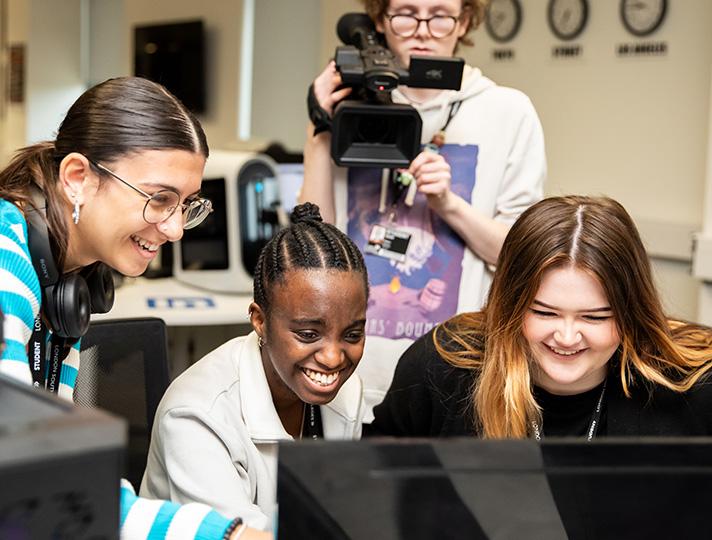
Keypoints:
pixel 447 213
pixel 121 178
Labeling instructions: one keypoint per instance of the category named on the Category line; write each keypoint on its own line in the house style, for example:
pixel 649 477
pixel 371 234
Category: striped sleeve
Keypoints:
pixel 68 377
pixel 147 519
pixel 20 302
pixel 19 292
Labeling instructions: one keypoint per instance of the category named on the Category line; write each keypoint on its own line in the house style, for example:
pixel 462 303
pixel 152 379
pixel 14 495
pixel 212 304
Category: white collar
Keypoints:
pixel 258 410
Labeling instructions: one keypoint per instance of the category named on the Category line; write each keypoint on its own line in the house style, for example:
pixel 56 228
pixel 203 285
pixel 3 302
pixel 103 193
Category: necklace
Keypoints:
pixel 312 427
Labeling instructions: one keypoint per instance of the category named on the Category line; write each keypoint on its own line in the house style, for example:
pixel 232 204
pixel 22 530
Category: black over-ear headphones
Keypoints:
pixel 67 300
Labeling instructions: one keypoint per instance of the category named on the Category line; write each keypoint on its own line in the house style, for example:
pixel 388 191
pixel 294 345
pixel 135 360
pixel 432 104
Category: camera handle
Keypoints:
pixel 317 114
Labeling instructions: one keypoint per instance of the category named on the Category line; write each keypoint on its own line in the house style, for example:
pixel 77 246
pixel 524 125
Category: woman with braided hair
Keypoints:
pixel 216 430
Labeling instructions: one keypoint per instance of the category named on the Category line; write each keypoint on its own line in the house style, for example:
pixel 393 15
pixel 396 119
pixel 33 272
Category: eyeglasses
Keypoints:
pixel 162 204
pixel 406 26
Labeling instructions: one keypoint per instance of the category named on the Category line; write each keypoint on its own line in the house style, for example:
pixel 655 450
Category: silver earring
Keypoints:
pixel 260 342
pixel 75 213
pixel 165 227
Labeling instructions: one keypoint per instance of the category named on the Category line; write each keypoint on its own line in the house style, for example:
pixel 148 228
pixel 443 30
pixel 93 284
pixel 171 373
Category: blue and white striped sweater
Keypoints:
pixel 19 292
pixel 141 519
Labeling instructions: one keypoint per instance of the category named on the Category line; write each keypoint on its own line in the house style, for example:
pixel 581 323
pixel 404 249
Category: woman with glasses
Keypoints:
pixel 482 164
pixel 121 178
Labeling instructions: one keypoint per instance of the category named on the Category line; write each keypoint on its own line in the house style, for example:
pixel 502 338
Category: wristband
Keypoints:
pixel 230 528
pixel 319 117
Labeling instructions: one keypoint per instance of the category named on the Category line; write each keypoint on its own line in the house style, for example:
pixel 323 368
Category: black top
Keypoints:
pixel 431 398
pixel 570 415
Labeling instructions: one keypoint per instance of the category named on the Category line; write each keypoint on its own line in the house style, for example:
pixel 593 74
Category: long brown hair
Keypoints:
pixel 597 235
pixel 110 120
pixel 475 9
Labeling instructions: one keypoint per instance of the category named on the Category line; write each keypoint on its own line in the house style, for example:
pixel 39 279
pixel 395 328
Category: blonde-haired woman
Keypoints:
pixel 573 341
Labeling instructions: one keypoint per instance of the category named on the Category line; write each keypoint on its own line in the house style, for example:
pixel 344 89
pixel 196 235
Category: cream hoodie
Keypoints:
pixel 502 126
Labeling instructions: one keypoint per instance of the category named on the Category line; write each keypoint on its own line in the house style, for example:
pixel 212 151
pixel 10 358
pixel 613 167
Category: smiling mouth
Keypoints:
pixel 144 244
pixel 563 352
pixel 321 379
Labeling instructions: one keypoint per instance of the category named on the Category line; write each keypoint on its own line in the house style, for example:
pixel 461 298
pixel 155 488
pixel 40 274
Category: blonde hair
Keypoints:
pixel 597 235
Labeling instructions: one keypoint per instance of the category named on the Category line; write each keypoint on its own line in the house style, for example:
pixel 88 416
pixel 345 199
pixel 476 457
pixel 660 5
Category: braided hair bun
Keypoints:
pixel 309 243
pixel 305 212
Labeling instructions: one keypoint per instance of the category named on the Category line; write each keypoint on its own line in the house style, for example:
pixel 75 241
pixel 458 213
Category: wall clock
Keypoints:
pixel 643 17
pixel 503 19
pixel 567 18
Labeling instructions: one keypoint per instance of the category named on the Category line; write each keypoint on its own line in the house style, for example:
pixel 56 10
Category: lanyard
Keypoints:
pixel 44 374
pixel 454 107
pixel 595 418
pixel 313 428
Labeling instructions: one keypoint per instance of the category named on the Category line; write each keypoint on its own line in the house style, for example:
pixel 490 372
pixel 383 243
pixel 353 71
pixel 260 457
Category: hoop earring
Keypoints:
pixel 260 342
pixel 75 213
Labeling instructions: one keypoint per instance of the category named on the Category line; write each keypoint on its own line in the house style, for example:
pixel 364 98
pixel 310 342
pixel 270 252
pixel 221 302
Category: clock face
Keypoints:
pixel 502 19
pixel 643 17
pixel 567 18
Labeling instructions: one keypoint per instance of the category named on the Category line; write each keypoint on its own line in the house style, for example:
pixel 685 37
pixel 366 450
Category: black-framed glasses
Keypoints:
pixel 406 26
pixel 162 204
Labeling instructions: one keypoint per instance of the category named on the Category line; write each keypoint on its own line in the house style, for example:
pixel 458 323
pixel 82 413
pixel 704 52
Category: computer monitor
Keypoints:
pixel 291 178
pixel 477 489
pixel 220 254
pixel 60 467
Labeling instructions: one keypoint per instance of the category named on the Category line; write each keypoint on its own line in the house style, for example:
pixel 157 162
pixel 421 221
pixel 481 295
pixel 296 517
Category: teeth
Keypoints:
pixel 565 353
pixel 321 378
pixel 144 244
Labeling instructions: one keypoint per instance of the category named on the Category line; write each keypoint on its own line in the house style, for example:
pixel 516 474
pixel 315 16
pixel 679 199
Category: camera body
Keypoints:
pixel 368 129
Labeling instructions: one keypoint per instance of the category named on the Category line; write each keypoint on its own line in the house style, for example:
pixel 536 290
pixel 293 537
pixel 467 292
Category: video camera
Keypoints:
pixel 368 129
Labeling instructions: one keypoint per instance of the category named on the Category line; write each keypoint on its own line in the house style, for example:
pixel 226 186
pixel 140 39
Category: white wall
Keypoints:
pixel 331 12
pixel 286 57
pixel 703 248
pixel 12 125
pixel 54 64
pixel 70 45
pixel 74 44
pixel 222 21
pixel 107 41
pixel 622 126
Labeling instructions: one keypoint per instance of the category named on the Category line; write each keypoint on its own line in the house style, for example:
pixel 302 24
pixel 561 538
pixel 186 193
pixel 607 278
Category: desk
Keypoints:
pixel 176 303
pixel 198 320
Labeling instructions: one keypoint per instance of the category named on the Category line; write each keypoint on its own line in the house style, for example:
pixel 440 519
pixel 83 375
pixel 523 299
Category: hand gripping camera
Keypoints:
pixel 368 129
